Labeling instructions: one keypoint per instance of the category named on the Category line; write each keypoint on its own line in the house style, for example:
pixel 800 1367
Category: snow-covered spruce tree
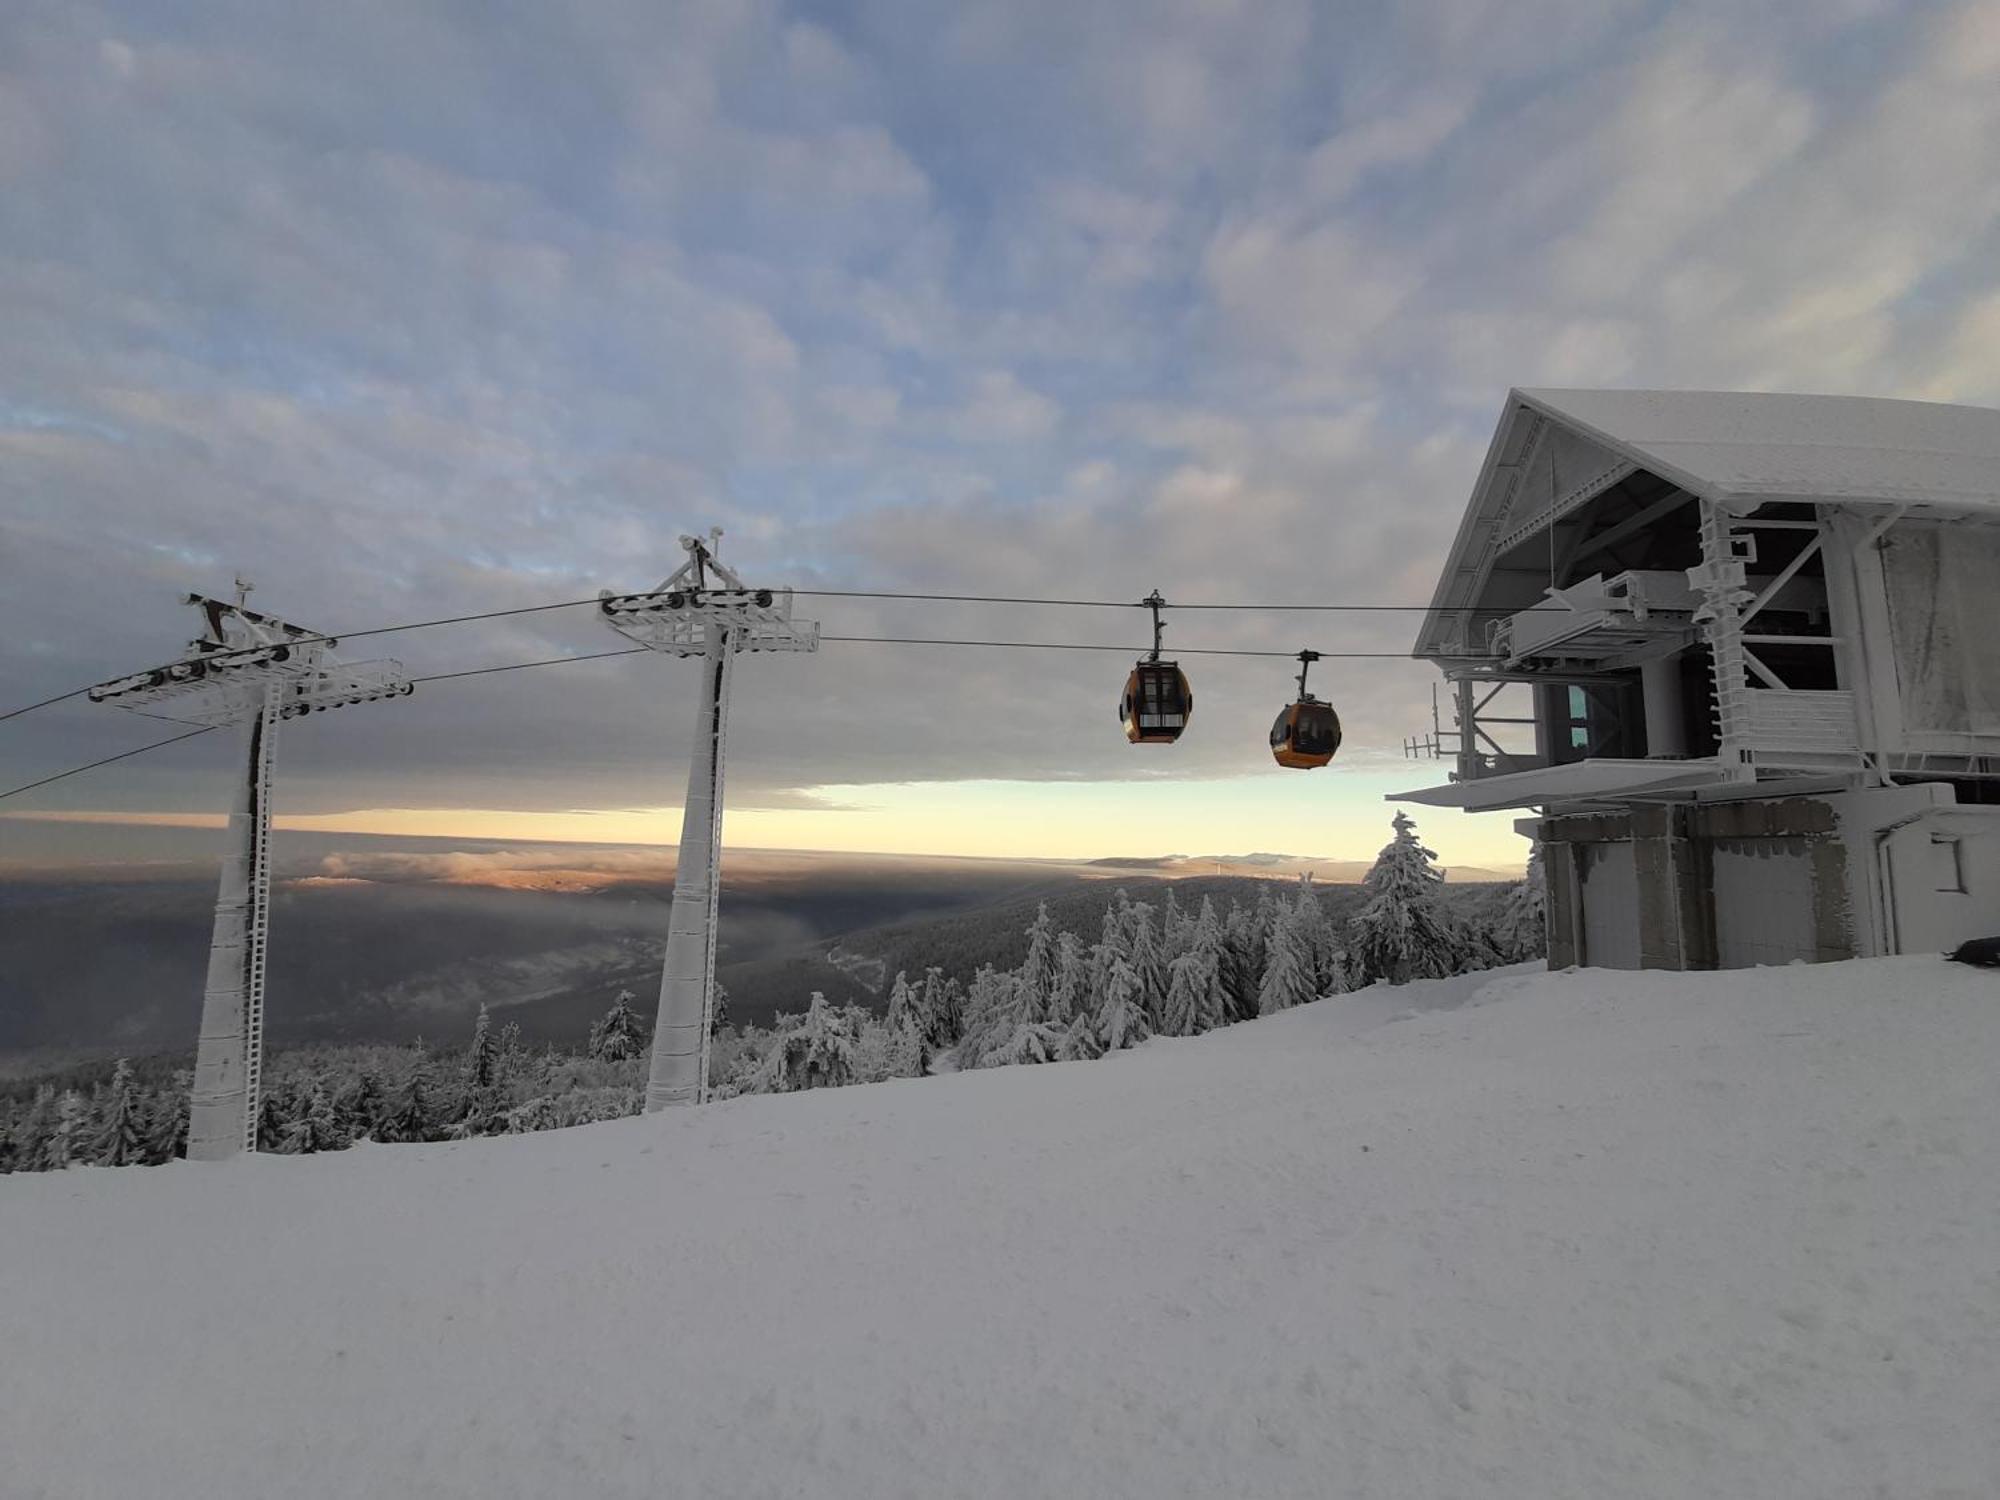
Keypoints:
pixel 314 1128
pixel 994 1006
pixel 1176 927
pixel 273 1117
pixel 1325 958
pixel 65 1143
pixel 901 1010
pixel 1079 1041
pixel 32 1131
pixel 1522 932
pixel 1036 978
pixel 121 1138
pixel 411 1118
pixel 1288 965
pixel 1403 931
pixel 1148 963
pixel 358 1111
pixel 813 1051
pixel 906 1038
pixel 719 1018
pixel 1196 998
pixel 167 1121
pixel 1122 1020
pixel 1028 1042
pixel 942 1009
pixel 620 1036
pixel 1242 961
pixel 482 1057
pixel 1071 995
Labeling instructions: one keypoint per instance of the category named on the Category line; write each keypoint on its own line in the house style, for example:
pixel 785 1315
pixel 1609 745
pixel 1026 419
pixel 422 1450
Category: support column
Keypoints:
pixel 679 1072
pixel 222 1104
pixel 1666 724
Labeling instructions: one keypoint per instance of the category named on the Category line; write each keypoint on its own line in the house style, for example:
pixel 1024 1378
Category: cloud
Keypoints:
pixel 409 317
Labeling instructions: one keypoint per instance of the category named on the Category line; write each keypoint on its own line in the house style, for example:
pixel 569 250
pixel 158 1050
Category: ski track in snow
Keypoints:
pixel 1592 1235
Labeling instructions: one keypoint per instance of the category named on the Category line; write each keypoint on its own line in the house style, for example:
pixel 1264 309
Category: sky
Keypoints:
pixel 408 309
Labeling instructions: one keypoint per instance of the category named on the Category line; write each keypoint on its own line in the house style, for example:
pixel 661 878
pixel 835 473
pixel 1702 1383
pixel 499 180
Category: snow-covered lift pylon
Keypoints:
pixel 254 670
pixel 688 616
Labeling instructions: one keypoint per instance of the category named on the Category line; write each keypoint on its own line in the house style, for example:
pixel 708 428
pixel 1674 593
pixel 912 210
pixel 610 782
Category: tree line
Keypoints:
pixel 1166 970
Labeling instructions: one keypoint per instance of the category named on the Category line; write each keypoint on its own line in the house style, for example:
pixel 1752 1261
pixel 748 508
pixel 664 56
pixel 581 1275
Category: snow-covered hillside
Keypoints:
pixel 1589 1235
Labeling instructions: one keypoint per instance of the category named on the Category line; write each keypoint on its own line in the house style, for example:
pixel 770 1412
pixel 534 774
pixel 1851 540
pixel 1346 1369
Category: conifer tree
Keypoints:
pixel 481 1058
pixel 1036 978
pixel 901 1010
pixel 1523 926
pixel 1242 961
pixel 361 1109
pixel 66 1137
pixel 273 1119
pixel 718 1018
pixel 313 1128
pixel 1071 994
pixel 1107 950
pixel 816 1051
pixel 33 1131
pixel 620 1035
pixel 120 1139
pixel 994 1006
pixel 1403 931
pixel 1175 927
pixel 1288 966
pixel 1196 1000
pixel 167 1122
pixel 942 1011
pixel 1122 1020
pixel 1148 964
pixel 411 1119
pixel 1079 1041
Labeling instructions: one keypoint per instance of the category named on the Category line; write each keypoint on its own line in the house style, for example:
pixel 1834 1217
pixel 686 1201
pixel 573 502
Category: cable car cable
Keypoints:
pixel 123 755
pixel 891 595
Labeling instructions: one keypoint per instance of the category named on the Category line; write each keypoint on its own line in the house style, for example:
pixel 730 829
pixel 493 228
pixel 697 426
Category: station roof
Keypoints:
pixel 1740 449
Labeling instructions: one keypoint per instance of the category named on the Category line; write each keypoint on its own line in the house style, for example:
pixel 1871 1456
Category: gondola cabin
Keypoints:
pixel 1305 735
pixel 1156 704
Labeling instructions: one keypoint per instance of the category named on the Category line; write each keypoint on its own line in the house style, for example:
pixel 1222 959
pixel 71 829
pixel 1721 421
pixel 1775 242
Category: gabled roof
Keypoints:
pixel 1740 449
pixel 1745 448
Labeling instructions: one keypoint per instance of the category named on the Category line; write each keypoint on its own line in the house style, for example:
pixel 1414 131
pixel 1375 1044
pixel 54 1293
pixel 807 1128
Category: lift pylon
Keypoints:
pixel 252 670
pixel 689 616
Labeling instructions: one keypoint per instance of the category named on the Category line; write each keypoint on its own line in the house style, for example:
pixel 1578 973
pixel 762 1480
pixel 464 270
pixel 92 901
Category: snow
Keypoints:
pixel 1592 1234
pixel 1746 447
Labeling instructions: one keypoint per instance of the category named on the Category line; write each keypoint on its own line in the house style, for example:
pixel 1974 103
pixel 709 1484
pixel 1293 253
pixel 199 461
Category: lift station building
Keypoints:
pixel 1756 641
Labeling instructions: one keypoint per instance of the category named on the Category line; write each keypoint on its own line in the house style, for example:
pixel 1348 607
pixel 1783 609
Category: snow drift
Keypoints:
pixel 1588 1235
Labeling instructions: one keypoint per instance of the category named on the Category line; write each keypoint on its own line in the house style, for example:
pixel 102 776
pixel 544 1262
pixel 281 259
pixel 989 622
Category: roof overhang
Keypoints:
pixel 1554 450
pixel 1580 781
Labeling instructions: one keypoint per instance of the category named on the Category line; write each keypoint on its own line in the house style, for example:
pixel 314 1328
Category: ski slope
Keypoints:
pixel 1530 1236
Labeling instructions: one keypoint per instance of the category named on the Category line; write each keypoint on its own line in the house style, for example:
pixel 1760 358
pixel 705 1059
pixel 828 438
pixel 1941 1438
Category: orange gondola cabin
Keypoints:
pixel 1306 734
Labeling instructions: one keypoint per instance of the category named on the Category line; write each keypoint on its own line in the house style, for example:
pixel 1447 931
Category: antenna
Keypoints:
pixel 253 670
pixel 686 617
pixel 1427 746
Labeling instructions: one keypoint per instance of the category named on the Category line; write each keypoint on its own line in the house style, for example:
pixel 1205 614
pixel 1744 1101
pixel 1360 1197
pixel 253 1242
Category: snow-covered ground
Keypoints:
pixel 1604 1235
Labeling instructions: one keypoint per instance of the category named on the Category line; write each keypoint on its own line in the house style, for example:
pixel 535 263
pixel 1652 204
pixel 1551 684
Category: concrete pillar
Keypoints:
pixel 1666 721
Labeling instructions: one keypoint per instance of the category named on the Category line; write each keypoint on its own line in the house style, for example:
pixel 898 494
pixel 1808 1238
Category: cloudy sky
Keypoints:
pixel 407 309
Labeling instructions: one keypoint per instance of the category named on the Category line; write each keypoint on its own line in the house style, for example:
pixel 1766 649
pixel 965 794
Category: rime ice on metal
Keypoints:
pixel 251 670
pixel 688 616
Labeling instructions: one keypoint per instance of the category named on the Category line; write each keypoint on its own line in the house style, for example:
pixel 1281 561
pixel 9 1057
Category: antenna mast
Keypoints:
pixel 687 617
pixel 252 670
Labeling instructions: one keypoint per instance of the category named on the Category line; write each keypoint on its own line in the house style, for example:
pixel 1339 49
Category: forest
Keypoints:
pixel 1178 968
